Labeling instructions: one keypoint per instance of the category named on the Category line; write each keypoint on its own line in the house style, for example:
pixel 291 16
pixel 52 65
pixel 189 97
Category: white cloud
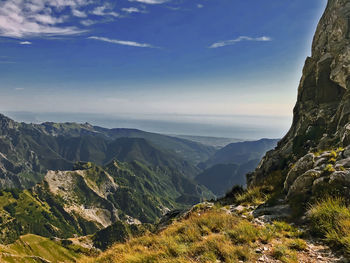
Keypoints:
pixel 24 18
pixel 25 43
pixel 87 22
pixel 104 10
pixel 79 13
pixel 122 42
pixel 151 2
pixel 200 6
pixel 19 89
pixel 131 10
pixel 239 39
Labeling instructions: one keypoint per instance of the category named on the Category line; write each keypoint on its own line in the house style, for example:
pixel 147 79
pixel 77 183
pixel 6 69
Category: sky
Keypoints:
pixel 226 64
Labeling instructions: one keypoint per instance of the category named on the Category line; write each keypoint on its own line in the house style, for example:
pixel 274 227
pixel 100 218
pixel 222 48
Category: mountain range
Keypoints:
pixel 67 180
pixel 28 151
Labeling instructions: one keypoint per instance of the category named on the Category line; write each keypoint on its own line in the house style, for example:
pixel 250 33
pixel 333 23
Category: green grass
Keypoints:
pixel 284 254
pixel 253 196
pixel 30 246
pixel 330 219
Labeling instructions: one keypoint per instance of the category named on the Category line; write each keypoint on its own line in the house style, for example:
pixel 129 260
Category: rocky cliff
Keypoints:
pixel 322 112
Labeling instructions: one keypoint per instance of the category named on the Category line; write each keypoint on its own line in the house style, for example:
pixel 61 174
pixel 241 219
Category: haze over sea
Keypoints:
pixel 228 126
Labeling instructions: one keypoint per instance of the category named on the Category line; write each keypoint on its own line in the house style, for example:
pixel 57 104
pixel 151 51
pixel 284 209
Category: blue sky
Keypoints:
pixel 156 58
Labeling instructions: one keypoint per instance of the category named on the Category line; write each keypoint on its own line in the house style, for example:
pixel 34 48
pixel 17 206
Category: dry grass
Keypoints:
pixel 202 237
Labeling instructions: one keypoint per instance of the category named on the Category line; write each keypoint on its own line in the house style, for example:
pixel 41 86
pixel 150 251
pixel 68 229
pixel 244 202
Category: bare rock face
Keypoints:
pixel 322 112
pixel 85 196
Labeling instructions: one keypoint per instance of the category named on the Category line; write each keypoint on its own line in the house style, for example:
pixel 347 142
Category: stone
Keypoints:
pixel 303 184
pixel 340 178
pixel 344 163
pixel 266 213
pixel 300 167
pixel 321 161
pixel 346 152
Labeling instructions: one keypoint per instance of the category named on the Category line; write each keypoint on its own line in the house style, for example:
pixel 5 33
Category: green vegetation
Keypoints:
pixel 269 190
pixel 29 150
pixel 24 212
pixel 32 248
pixel 133 188
pixel 253 196
pixel 330 219
pixel 284 254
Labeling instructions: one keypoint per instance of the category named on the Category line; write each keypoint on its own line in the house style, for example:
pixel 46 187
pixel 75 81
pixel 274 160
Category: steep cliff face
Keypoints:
pixel 322 112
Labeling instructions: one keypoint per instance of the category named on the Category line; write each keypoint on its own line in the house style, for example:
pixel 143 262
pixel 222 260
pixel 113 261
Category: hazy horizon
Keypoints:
pixel 237 127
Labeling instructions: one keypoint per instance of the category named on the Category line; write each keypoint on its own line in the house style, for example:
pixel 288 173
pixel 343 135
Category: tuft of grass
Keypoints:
pixel 333 154
pixel 329 168
pixel 332 160
pixel 253 196
pixel 297 244
pixel 244 233
pixel 330 219
pixel 282 253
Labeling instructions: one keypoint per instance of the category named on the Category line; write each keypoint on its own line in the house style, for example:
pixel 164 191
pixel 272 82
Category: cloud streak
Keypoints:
pixel 131 10
pixel 122 42
pixel 25 43
pixel 150 2
pixel 239 39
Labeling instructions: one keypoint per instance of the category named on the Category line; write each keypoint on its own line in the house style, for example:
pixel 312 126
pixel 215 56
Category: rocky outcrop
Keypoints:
pixel 83 196
pixel 322 112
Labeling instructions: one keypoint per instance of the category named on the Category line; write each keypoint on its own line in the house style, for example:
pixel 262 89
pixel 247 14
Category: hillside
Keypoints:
pixel 229 165
pixel 90 198
pixel 240 152
pixel 216 142
pixel 221 177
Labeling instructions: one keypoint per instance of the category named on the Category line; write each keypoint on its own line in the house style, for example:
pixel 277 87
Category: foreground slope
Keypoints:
pixel 209 233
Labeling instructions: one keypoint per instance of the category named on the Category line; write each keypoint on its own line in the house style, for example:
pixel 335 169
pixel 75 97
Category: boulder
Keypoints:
pixel 303 184
pixel 343 163
pixel 301 166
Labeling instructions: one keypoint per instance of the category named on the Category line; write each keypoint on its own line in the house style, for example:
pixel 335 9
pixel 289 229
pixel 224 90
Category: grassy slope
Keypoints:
pixel 30 248
pixel 208 235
